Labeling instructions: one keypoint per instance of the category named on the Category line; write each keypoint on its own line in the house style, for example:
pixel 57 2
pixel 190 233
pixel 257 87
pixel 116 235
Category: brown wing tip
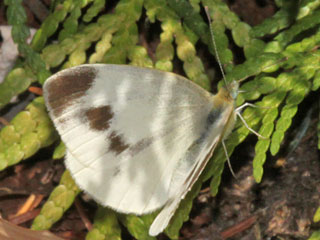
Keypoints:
pixel 64 87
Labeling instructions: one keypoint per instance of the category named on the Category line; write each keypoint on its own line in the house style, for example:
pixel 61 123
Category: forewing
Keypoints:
pixel 126 129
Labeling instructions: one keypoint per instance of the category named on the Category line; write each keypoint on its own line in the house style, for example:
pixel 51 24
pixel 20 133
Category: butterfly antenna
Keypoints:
pixel 224 79
pixel 215 46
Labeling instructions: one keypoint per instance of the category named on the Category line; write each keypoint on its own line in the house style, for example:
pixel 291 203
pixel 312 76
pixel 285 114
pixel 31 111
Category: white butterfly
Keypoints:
pixel 137 138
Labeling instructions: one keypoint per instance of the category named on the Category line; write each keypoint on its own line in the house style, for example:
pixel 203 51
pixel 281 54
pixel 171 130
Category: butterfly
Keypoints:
pixel 137 138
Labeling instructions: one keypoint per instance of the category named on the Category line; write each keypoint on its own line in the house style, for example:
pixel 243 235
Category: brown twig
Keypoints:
pixel 25 217
pixel 83 215
pixel 37 201
pixel 36 90
pixel 27 205
pixel 238 228
pixel 4 121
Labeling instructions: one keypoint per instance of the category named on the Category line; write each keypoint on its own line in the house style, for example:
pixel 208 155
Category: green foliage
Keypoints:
pixel 59 151
pixel 17 81
pixel 316 217
pixel 20 32
pixel 280 20
pixel 50 25
pixel 315 236
pixel 33 67
pixel 307 7
pixel 138 226
pixel 60 199
pixel 301 25
pixel 29 131
pixel 105 226
pixel 79 31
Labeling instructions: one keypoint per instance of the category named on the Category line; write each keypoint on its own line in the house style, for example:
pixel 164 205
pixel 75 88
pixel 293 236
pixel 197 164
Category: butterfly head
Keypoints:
pixel 233 89
pixel 229 92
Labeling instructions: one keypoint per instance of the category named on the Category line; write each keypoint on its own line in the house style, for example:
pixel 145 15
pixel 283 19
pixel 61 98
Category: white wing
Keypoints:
pixel 196 158
pixel 129 132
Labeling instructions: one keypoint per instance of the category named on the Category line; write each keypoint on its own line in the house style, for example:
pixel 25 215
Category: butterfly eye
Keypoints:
pixel 234 89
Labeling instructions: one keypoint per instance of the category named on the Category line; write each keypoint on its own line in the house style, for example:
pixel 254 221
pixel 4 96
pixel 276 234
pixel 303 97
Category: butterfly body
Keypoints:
pixel 137 139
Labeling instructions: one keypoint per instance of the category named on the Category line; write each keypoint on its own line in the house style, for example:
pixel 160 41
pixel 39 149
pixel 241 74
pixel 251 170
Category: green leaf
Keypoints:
pixel 240 34
pixel 29 131
pixel 59 201
pixel 94 10
pixel 254 48
pixel 105 226
pixel 316 217
pixel 138 226
pixel 16 82
pixel 59 151
pixel 315 236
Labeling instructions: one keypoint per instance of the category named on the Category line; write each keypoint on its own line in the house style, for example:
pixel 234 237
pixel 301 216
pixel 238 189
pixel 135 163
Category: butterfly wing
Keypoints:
pixel 220 120
pixel 163 218
pixel 126 130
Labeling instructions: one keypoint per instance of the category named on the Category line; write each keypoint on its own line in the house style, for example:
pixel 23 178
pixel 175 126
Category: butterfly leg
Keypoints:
pixel 238 109
pixel 249 128
pixel 228 159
